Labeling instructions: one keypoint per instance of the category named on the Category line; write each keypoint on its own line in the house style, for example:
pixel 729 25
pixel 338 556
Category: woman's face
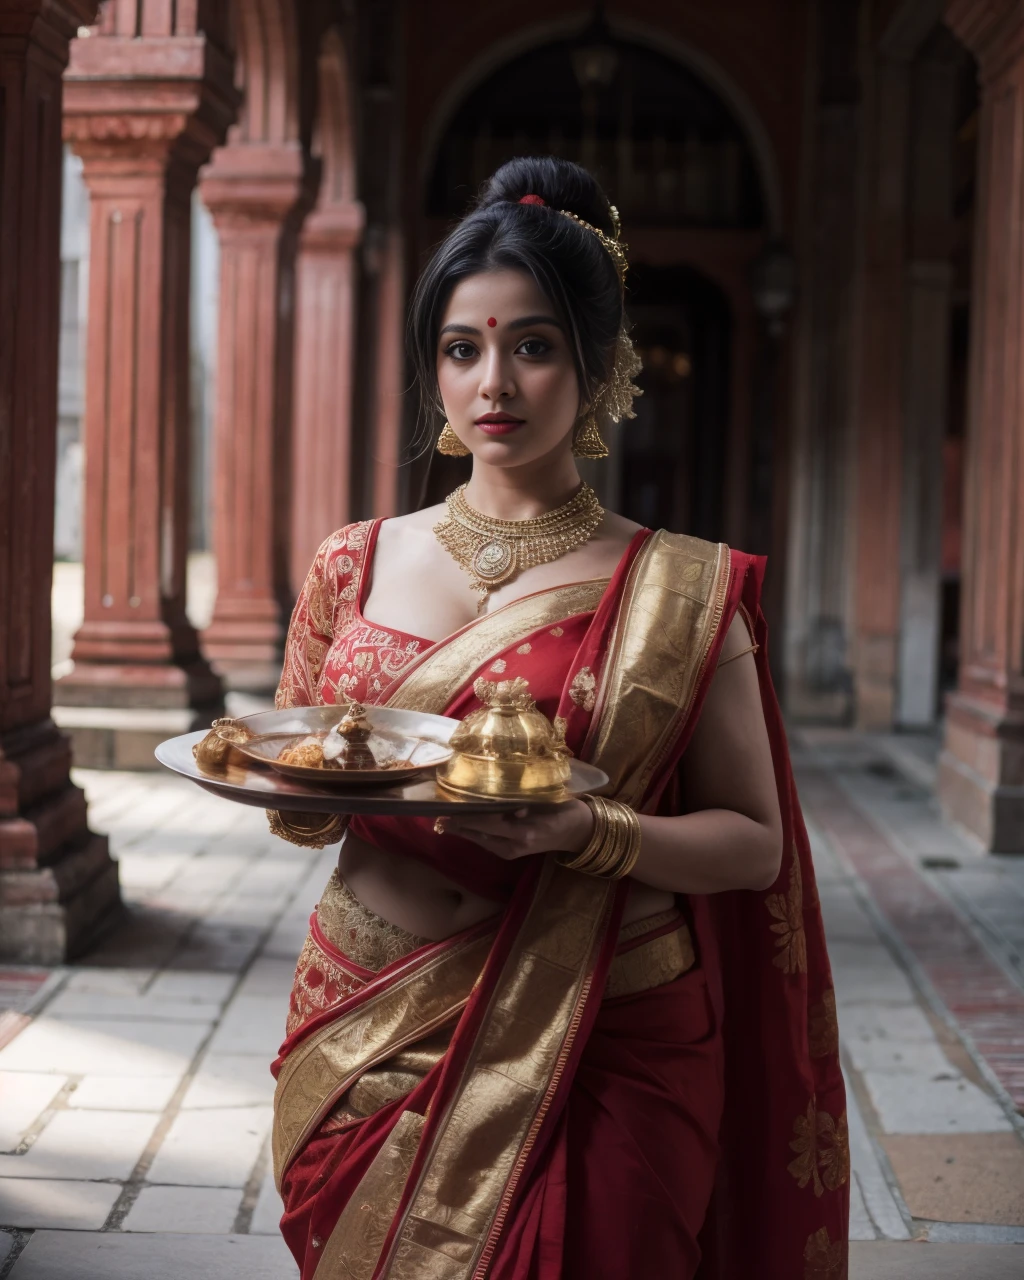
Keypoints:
pixel 505 371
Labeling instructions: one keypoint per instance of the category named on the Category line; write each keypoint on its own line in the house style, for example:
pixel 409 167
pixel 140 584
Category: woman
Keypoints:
pixel 590 1043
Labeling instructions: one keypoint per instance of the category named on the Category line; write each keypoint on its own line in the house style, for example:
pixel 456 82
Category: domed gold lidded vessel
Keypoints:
pixel 506 748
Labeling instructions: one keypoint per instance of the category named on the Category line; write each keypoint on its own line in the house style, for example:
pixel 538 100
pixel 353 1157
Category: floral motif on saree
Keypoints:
pixel 822 1145
pixel 787 909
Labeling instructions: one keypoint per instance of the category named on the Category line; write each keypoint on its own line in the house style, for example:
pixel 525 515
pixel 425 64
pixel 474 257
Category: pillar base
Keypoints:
pixel 52 914
pixel 246 652
pixel 58 883
pixel 981 773
pixel 116 716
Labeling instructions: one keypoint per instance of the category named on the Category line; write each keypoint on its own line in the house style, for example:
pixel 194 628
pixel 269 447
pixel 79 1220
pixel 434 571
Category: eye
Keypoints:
pixel 534 347
pixel 460 350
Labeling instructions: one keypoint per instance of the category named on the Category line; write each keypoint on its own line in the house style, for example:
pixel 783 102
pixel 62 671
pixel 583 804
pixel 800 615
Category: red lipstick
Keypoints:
pixel 498 424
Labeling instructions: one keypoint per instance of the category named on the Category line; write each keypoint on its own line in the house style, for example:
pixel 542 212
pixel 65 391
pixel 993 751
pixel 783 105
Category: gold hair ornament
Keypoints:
pixel 612 245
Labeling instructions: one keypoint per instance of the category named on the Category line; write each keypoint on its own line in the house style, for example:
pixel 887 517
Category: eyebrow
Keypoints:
pixel 525 322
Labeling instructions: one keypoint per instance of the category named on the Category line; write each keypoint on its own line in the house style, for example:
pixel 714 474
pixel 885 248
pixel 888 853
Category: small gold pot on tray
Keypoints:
pixel 217 751
pixel 507 748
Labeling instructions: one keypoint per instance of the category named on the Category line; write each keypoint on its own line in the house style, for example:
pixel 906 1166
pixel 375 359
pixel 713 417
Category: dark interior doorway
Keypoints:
pixel 673 452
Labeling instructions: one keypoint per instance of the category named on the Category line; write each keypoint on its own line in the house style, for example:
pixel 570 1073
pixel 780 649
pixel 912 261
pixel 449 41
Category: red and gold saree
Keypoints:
pixel 547 1095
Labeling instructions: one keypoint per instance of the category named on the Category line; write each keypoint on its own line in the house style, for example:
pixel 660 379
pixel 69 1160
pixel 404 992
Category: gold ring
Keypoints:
pixel 439 826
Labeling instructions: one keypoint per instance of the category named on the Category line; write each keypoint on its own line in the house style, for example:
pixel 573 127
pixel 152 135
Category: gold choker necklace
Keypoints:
pixel 494 551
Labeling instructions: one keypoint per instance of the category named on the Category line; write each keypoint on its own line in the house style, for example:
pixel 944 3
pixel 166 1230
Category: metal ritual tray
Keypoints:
pixel 262 787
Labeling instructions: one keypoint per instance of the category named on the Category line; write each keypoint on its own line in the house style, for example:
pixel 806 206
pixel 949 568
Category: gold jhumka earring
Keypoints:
pixel 612 403
pixel 449 443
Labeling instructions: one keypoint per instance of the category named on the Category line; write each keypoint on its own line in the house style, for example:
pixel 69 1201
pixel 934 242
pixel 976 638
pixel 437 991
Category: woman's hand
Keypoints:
pixel 565 829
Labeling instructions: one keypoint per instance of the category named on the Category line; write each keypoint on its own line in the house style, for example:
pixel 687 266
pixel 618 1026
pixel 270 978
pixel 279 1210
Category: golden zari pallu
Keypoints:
pixel 433 1202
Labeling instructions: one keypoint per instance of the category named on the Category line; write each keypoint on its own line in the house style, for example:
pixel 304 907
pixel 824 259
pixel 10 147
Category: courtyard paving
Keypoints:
pixel 135 1092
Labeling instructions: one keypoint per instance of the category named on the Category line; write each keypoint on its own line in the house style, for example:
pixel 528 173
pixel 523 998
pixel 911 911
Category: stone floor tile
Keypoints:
pixel 907 1102
pixel 266 1217
pixel 965 1177
pixel 845 918
pixel 230 1080
pixel 108 982
pixel 193 985
pixel 861 1226
pixel 124 1093
pixel 106 1048
pixel 880 1203
pixel 887 1053
pixel 251 1024
pixel 887 1260
pixel 192 1210
pixel 212 1147
pixel 269 977
pixel 40 1202
pixel 80 1005
pixel 71 1255
pixel 6 1245
pixel 23 1095
pixel 901 1023
pixel 84 1144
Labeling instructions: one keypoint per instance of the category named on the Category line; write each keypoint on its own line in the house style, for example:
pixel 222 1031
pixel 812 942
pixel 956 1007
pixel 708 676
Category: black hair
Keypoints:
pixel 568 262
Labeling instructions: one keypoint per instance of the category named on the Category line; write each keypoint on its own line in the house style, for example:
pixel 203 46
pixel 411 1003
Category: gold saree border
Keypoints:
pixel 433 680
pixel 454 1216
pixel 319 1069
pixel 668 620
pixel 354 1246
pixel 672 606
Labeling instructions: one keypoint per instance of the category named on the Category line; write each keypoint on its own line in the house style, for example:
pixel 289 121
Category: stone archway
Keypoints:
pixel 690 187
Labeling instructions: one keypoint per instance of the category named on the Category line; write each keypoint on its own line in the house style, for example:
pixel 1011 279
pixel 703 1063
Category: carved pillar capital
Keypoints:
pixel 147 102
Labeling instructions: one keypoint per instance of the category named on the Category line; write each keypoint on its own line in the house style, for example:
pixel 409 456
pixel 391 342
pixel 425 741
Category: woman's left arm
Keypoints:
pixel 731 835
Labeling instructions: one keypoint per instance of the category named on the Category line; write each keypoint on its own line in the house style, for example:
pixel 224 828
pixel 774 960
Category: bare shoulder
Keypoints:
pixel 616 528
pixel 410 538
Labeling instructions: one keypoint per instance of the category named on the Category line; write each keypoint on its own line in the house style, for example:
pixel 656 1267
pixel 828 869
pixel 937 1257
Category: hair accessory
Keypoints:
pixel 449 443
pixel 613 246
pixel 612 403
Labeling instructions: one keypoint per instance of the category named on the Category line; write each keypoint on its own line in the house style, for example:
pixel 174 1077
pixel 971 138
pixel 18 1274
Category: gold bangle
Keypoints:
pixel 614 846
pixel 308 830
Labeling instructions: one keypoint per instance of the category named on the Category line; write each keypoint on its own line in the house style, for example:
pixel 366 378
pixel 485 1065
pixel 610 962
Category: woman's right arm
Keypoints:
pixel 310 634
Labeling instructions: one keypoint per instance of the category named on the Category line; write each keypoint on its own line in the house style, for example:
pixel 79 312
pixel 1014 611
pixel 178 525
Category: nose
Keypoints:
pixel 496 381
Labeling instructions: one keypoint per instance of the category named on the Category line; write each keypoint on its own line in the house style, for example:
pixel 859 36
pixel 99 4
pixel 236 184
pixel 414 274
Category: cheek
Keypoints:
pixel 556 385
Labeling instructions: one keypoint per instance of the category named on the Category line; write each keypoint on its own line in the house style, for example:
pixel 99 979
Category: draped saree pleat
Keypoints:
pixel 563 1131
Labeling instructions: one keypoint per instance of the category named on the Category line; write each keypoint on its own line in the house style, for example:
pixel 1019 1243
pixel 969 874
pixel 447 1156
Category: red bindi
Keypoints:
pixel 492 322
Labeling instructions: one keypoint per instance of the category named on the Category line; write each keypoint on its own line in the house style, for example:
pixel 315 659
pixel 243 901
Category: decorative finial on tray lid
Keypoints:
pixel 507 747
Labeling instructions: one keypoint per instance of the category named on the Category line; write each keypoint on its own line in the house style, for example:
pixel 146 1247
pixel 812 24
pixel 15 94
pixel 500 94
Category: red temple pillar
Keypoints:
pixel 879 390
pixel 147 98
pixel 254 188
pixel 981 778
pixel 324 338
pixel 57 881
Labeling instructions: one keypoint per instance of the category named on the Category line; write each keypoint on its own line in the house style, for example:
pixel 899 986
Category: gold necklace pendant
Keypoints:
pixel 494 551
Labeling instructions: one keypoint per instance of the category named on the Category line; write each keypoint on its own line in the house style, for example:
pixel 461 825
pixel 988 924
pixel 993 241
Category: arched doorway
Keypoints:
pixel 671 457
pixel 679 166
